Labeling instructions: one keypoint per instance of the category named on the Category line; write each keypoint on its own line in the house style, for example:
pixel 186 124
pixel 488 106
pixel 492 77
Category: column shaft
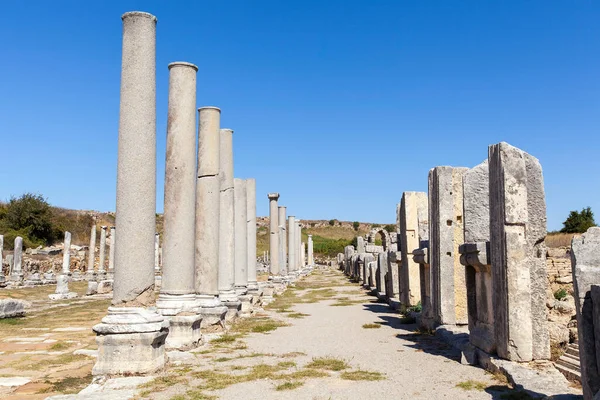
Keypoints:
pixel 66 253
pixel 241 236
pixel 251 232
pixel 273 234
pixel 226 219
pixel 292 262
pixel 281 217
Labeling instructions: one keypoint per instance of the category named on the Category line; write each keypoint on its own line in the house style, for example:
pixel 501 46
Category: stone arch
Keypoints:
pixel 385 237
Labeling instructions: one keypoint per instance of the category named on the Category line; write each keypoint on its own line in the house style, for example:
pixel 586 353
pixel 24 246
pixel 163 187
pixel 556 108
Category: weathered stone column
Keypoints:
pixel 380 274
pixel 448 286
pixel 131 338
pixel 62 280
pixel 101 264
pixel 412 205
pixel 17 275
pixel 177 298
pixel 518 254
pixel 227 226
pixel 207 208
pixel 311 260
pixel 241 237
pixel 156 252
pixel 303 255
pixel 273 234
pixel 2 276
pixel 298 236
pixel 251 229
pixel 283 262
pixel 475 256
pixel 292 249
pixel 91 274
pixel 111 254
pixel 585 261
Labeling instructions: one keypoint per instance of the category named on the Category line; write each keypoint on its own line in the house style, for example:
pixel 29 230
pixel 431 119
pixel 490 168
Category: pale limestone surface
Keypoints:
pixel 207 206
pixel 226 219
pixel 274 234
pixel 251 215
pixel 518 254
pixel 136 169
pixel 241 236
pixel 283 246
pixel 410 283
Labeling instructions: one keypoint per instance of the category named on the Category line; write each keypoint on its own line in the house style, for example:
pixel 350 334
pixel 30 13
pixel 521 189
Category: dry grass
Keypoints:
pixel 328 363
pixel 371 326
pixel 555 240
pixel 289 386
pixel 472 385
pixel 362 376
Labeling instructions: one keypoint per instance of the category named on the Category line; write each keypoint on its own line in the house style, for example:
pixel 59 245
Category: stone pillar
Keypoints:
pixel 131 338
pixel 91 274
pixel 156 252
pixel 475 257
pixel 2 276
pixel 273 234
pixel 292 249
pixel 585 261
pixel 17 275
pixel 101 264
pixel 62 280
pixel 303 254
pixel 412 205
pixel 448 286
pixel 177 298
pixel 251 229
pixel 227 225
pixel 111 254
pixel 299 253
pixel 360 244
pixel 283 262
pixel 208 192
pixel 241 237
pixel 311 261
pixel 380 274
pixel 518 254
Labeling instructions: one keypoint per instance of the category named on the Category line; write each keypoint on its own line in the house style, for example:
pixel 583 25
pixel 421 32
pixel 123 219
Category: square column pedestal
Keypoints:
pixel 182 313
pixel 130 340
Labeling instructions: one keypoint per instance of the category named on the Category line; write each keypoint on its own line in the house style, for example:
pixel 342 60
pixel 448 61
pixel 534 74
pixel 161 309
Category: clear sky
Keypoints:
pixel 338 105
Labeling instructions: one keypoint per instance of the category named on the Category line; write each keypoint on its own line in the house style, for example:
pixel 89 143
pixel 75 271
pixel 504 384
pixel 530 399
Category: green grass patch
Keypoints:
pixel 472 385
pixel 298 315
pixel 289 386
pixel 328 363
pixel 362 376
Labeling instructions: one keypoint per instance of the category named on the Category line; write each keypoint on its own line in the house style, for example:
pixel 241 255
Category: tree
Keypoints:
pixel 331 222
pixel 356 225
pixel 390 228
pixel 29 216
pixel 579 222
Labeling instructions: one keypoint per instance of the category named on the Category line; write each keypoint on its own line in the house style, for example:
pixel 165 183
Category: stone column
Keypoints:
pixel 177 298
pixel 91 274
pixel 101 266
pixel 518 254
pixel 273 234
pixel 62 280
pixel 311 261
pixel 111 254
pixel 303 254
pixel 156 252
pixel 131 332
pixel 292 249
pixel 16 275
pixel 241 236
pixel 251 230
pixel 207 208
pixel 283 263
pixel 2 276
pixel 448 286
pixel 226 226
pixel 298 237
pixel 412 205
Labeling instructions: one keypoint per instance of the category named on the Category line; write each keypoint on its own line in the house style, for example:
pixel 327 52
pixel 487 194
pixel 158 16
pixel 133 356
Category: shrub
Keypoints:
pixel 332 222
pixel 356 225
pixel 390 228
pixel 579 222
pixel 560 294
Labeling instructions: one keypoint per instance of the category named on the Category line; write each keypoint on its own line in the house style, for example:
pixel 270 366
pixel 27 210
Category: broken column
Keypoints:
pixel 283 245
pixel 518 254
pixel 208 193
pixel 177 298
pixel 131 337
pixel 448 287
pixel 227 226
pixel 292 249
pixel 475 257
pixel 274 234
pixel 16 276
pixel 91 274
pixel 62 280
pixel 412 205
pixel 585 260
pixel 101 264
pixel 311 261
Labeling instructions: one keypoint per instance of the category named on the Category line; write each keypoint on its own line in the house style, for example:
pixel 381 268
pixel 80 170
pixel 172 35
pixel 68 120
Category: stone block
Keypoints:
pixel 184 332
pixel 105 286
pixel 10 308
pixel 413 228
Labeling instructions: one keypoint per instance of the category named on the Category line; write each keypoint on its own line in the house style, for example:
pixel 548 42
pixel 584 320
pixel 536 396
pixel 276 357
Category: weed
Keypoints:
pixel 472 385
pixel 362 376
pixel 560 294
pixel 328 363
pixel 289 386
pixel 371 326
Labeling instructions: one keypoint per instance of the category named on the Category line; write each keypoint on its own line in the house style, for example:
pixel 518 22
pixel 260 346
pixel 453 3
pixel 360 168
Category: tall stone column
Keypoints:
pixel 273 234
pixel 293 247
pixel 177 298
pixel 101 264
pixel 62 280
pixel 91 274
pixel 156 252
pixel 299 252
pixel 251 230
pixel 2 276
pixel 131 338
pixel 303 254
pixel 226 226
pixel 281 217
pixel 412 205
pixel 518 254
pixel 111 254
pixel 16 275
pixel 241 236
pixel 311 261
pixel 207 207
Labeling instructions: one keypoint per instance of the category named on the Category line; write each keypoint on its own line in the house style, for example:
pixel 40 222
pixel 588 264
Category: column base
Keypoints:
pixel 213 318
pixel 252 286
pixel 241 290
pixel 131 341
pixel 16 278
pixel 90 276
pixel 208 300
pixel 105 286
pixel 33 280
pixel 246 308
pixel 62 296
pixel 228 296
pixel 62 289
pixel 92 288
pixel 76 276
pixel 101 276
pixel 174 304
pixel 184 332
pixel 233 309
pixel 49 278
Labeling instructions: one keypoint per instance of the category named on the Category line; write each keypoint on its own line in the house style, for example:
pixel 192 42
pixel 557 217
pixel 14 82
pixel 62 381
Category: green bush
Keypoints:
pixel 560 294
pixel 390 228
pixel 356 225
pixel 579 222
pixel 329 247
pixel 331 222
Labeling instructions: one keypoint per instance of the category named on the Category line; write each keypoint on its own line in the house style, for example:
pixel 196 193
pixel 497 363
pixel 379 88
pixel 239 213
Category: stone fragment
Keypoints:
pixel 10 308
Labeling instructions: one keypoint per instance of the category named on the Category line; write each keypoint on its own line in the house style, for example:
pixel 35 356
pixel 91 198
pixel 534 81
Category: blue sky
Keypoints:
pixel 339 106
